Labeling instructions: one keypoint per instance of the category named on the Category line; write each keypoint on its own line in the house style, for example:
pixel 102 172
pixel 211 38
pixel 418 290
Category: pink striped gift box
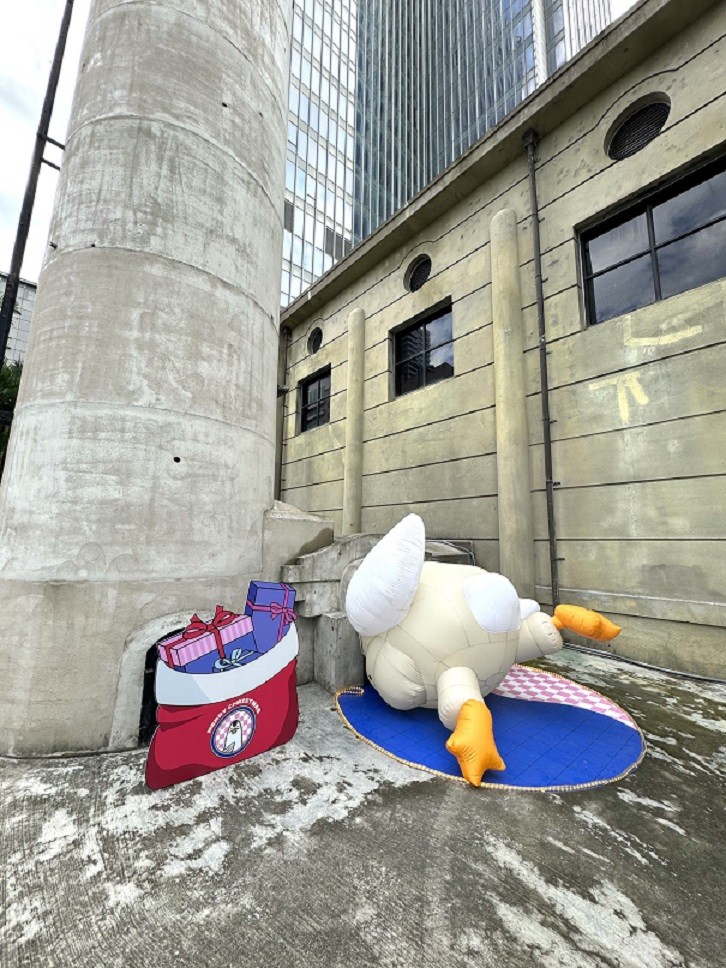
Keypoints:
pixel 177 651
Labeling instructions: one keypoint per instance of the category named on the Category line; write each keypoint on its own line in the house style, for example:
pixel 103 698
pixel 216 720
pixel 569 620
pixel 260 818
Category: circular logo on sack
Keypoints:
pixel 233 732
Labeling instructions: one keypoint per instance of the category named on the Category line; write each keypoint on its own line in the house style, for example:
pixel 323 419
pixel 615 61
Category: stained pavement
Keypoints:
pixel 328 853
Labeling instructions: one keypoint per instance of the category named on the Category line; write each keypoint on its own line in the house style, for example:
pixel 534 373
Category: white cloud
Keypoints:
pixel 30 32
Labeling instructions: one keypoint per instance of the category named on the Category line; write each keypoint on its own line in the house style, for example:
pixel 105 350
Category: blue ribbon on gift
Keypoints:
pixel 234 660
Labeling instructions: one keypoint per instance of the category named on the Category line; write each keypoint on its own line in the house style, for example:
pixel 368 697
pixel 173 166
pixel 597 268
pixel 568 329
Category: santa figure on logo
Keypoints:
pixel 226 689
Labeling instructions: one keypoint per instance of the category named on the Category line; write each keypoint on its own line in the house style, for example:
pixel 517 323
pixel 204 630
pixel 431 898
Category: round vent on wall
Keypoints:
pixel 315 340
pixel 638 128
pixel 417 273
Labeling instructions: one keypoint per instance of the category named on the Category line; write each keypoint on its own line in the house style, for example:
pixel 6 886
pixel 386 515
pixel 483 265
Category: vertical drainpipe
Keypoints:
pixel 282 389
pixel 531 139
pixel 353 466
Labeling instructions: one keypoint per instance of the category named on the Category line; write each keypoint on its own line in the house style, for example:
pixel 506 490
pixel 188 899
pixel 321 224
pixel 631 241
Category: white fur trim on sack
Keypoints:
pixel 175 688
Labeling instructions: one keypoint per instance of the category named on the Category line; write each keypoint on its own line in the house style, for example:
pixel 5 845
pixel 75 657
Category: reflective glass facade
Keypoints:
pixel 570 25
pixel 320 141
pixel 385 94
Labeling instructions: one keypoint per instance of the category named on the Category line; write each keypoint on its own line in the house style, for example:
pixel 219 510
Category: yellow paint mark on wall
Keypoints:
pixel 662 339
pixel 626 384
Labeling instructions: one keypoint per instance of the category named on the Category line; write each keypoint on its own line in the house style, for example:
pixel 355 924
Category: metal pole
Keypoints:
pixel 530 140
pixel 13 280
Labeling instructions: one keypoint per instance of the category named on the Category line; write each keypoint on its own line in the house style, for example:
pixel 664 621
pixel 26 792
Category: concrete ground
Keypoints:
pixel 328 853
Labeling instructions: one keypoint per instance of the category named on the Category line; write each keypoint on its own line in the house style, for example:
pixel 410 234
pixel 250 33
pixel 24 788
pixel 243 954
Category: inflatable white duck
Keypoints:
pixel 443 636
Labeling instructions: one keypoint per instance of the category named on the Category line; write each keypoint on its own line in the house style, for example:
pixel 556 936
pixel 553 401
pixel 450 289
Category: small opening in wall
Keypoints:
pixel 224 104
pixel 640 125
pixel 147 719
pixel 315 341
pixel 177 460
pixel 417 273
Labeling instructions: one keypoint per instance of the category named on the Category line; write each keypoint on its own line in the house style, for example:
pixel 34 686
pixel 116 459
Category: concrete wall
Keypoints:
pixel 639 437
pixel 141 457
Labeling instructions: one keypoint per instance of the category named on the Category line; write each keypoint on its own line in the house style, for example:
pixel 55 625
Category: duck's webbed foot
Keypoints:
pixel 472 742
pixel 462 709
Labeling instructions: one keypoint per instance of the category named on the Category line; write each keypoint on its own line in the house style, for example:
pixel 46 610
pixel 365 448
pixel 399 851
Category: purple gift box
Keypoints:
pixel 269 605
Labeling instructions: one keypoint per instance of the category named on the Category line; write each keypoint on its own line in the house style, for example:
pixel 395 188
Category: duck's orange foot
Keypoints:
pixel 472 742
pixel 585 622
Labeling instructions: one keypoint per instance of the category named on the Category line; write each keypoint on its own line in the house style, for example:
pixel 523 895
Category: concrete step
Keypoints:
pixel 321 578
pixel 455 553
pixel 329 646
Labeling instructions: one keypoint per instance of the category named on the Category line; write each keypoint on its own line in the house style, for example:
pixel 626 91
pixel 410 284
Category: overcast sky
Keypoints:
pixel 30 31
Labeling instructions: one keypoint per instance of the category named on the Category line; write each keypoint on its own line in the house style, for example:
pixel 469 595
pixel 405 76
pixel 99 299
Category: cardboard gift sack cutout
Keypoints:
pixel 226 689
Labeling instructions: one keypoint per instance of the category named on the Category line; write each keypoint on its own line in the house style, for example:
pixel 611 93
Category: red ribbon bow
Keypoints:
pixel 197 627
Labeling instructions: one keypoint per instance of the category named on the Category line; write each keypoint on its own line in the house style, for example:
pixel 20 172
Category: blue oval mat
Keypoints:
pixel 545 745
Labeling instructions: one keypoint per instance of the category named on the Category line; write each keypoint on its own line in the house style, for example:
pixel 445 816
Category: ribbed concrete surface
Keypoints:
pixel 327 853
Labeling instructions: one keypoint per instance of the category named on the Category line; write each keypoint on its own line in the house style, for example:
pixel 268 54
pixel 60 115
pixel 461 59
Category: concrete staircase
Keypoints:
pixel 330 651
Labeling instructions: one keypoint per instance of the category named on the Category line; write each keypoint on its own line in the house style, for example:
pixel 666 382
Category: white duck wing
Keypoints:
pixel 493 601
pixel 527 607
pixel 382 590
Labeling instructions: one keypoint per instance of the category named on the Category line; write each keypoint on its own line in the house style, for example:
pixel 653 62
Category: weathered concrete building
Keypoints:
pixel 416 368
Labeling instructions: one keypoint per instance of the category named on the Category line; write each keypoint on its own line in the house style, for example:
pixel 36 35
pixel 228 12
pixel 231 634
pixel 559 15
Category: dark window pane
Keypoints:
pixel 438 331
pixel 618 243
pixel 309 417
pixel 623 289
pixel 410 375
pixel 693 261
pixel 324 410
pixel 315 403
pixel 409 343
pixel 289 214
pixel 694 207
pixel 440 363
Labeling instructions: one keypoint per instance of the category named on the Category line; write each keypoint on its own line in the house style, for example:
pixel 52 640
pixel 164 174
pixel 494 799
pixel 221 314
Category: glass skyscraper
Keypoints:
pixel 319 177
pixel 385 94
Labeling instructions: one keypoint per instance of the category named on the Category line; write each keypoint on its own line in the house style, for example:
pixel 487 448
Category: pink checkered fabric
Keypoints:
pixel 533 684
pixel 246 720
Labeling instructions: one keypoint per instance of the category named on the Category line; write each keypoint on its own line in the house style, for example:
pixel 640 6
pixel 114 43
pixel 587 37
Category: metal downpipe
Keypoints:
pixel 531 140
pixel 282 390
pixel 41 138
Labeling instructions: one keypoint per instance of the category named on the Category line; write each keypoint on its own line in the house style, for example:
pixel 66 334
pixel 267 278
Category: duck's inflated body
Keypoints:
pixel 461 617
pixel 443 636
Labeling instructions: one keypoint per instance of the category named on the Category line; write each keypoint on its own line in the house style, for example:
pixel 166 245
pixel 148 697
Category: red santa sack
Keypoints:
pixel 207 722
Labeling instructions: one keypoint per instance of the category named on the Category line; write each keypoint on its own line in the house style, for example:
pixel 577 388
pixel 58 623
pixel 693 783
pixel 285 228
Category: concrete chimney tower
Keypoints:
pixel 142 452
